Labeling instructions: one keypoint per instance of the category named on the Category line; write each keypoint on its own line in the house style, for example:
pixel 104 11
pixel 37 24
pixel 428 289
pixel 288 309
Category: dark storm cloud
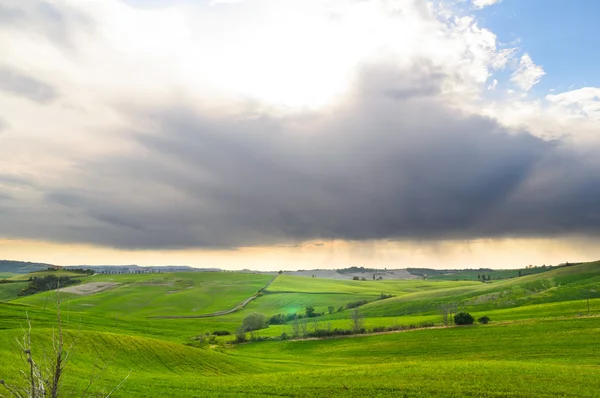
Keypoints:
pixel 9 14
pixel 394 162
pixel 18 83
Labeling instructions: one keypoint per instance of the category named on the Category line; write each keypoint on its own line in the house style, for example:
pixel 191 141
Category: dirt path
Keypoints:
pixel 218 313
pixel 89 288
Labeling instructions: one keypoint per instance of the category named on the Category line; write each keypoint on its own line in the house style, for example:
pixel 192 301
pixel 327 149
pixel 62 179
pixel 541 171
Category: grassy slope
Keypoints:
pixel 9 291
pixel 562 284
pixel 143 295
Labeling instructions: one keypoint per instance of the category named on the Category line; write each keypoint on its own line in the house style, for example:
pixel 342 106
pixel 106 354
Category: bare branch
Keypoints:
pixel 120 384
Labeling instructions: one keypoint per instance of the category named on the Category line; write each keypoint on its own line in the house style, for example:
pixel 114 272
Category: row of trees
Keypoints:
pixel 45 283
pixel 310 312
pixel 300 327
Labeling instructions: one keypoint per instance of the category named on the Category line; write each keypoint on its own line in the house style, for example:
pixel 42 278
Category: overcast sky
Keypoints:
pixel 297 134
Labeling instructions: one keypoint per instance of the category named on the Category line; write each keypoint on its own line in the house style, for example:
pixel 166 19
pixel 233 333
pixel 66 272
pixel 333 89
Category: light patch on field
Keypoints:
pixel 333 274
pixel 89 288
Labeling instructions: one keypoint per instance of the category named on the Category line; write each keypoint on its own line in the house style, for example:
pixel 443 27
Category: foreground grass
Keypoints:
pixel 522 359
pixel 407 379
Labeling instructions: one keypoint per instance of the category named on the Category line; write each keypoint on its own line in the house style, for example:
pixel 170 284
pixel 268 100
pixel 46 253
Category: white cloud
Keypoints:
pixel 484 3
pixel 584 102
pixel 492 85
pixel 528 74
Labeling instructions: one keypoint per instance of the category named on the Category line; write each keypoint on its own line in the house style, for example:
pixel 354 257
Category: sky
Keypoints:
pixel 305 134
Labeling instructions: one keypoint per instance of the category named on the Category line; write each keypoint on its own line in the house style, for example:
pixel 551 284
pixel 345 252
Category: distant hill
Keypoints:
pixel 483 273
pixel 25 267
pixel 22 267
pixel 136 269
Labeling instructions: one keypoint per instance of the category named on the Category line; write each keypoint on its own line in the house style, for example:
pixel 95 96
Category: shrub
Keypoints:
pixel 355 278
pixel 284 336
pixel 240 335
pixel 329 333
pixel 463 318
pixel 203 341
pixel 221 333
pixel 278 319
pixel 355 304
pixel 484 320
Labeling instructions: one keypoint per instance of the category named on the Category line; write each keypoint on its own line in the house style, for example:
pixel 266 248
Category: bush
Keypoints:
pixel 221 333
pixel 329 333
pixel 463 318
pixel 356 304
pixel 484 320
pixel 202 341
pixel 278 319
pixel 284 336
pixel 240 335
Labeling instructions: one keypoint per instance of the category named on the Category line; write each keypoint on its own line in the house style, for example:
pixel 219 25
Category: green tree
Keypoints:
pixel 310 311
pixel 463 318
pixel 254 321
pixel 357 321
pixel 331 309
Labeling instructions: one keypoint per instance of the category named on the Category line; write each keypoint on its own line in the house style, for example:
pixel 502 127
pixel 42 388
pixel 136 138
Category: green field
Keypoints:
pixel 185 294
pixel 8 291
pixel 542 340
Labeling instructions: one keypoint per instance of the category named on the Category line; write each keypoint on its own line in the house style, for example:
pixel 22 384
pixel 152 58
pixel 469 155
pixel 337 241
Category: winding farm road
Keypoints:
pixel 218 313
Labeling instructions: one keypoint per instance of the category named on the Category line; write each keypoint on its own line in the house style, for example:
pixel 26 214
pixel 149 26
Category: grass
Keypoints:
pixel 541 341
pixel 145 295
pixel 9 291
pixel 458 361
